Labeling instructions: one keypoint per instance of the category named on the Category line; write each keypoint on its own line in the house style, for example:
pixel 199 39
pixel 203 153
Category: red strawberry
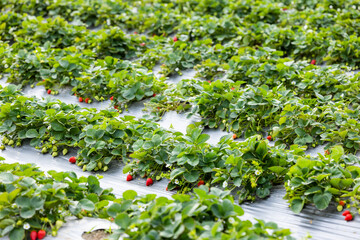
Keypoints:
pixel 116 106
pixel 175 39
pixel 149 182
pixel 342 203
pixel 72 159
pixel 135 32
pixel 87 100
pixel 232 88
pixel 201 182
pixel 284 9
pixel 49 91
pixel 166 188
pixel 209 81
pixel 154 95
pixel 80 99
pixel 268 138
pixel 41 234
pixel 112 98
pixel 327 152
pixel 43 80
pixel 142 44
pixel 129 178
pixel 346 213
pixel 33 235
pixel 348 217
pixel 313 62
pixel 234 136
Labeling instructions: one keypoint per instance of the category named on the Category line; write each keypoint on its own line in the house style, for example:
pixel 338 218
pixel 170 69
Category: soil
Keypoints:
pixel 99 234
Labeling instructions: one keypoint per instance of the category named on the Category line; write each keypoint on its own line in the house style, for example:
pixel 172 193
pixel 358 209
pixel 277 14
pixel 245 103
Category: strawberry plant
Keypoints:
pixel 34 201
pixel 212 214
pixel 322 180
pixel 57 31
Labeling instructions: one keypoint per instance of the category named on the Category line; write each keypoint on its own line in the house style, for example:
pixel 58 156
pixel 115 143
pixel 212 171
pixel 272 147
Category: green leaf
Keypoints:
pixel 176 172
pixel 87 205
pixel 191 176
pixel 27 212
pixel 32 133
pixel 123 220
pixel 57 126
pixel 297 205
pixel 129 195
pixel 64 63
pixel 114 209
pixel 322 200
pixel 17 234
pixel 337 152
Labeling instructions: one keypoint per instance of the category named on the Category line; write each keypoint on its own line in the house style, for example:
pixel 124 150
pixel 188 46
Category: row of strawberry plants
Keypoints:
pixel 249 168
pixel 296 40
pixel 261 110
pixel 90 79
pixel 186 160
pixel 36 204
pixel 255 97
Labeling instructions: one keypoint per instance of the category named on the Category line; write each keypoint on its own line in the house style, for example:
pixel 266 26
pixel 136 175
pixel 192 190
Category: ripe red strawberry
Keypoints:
pixel 129 178
pixel 327 152
pixel 232 88
pixel 72 159
pixel 135 32
pixel 348 217
pixel 142 44
pixel 234 136
pixel 49 91
pixel 209 81
pixel 166 188
pixel 41 234
pixel 268 138
pixel 284 9
pixel 342 203
pixel 43 80
pixel 313 62
pixel 116 107
pixel 33 235
pixel 80 99
pixel 149 182
pixel 112 98
pixel 201 182
pixel 87 100
pixel 175 39
pixel 154 95
pixel 346 213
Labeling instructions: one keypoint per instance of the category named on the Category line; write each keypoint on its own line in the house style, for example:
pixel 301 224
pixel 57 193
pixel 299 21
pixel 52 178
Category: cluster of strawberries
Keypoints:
pixel 37 235
pixel 347 214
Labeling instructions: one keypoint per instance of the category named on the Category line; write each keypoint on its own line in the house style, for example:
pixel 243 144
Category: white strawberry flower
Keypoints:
pixel 231 220
pixel 26 226
pixel 135 229
pixel 176 181
pixel 257 172
pixel 225 184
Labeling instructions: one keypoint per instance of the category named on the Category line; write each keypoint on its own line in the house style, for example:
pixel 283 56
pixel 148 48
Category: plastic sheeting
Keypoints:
pixel 327 224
